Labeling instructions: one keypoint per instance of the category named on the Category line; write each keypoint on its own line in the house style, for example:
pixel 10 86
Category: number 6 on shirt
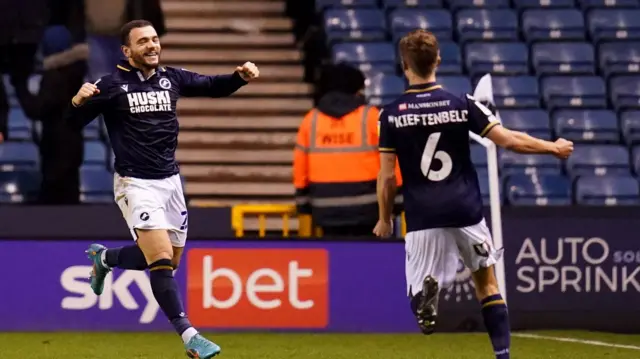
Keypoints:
pixel 429 154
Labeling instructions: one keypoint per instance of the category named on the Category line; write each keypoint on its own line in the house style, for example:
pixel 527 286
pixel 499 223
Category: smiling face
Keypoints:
pixel 143 48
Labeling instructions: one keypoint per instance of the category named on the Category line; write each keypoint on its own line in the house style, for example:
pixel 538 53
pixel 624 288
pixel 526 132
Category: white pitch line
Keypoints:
pixel 574 340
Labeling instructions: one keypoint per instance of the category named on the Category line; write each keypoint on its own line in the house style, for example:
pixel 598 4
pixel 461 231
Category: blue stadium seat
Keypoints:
pixel 373 70
pixel 545 25
pixel 322 5
pixel 532 121
pixel 598 160
pixel 538 190
pixel 619 57
pixel 394 4
pixel 516 91
pixel 485 192
pixel 439 22
pixel 625 92
pixel 95 154
pixel 534 4
pixel 479 156
pixel 630 126
pixel 482 25
pixel 451 58
pixel 383 89
pixel 497 57
pixel 515 163
pixel 19 126
pixel 483 181
pixel 19 156
pixel 614 24
pixel 457 85
pixel 456 5
pixel 587 125
pixel 591 4
pixel 96 186
pixel 19 186
pixel 635 157
pixel 92 130
pixel 367 56
pixel 553 58
pixel 607 191
pixel 354 25
pixel 574 91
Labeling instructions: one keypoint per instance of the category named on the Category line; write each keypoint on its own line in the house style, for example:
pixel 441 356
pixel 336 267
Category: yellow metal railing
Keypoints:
pixel 262 211
pixel 286 212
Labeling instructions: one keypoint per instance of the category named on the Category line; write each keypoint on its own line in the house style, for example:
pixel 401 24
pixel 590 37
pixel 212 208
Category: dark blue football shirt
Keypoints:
pixel 140 114
pixel 428 129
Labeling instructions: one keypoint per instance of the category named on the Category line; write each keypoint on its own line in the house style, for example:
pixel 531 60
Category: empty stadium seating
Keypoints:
pixel 554 58
pixel 540 190
pixel 532 121
pixel 516 91
pixel 553 24
pixel 598 160
pixel 96 186
pixel 486 24
pixel 574 91
pixel 497 57
pixel 616 58
pixel 18 186
pixel 607 190
pixel 562 68
pixel 363 24
pixel 587 125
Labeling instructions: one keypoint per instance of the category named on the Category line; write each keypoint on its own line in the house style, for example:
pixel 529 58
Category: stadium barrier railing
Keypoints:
pixel 286 212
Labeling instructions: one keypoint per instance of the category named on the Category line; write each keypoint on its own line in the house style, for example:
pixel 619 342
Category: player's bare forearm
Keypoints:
pixel 386 190
pixel 523 143
pixel 386 186
pixel 520 142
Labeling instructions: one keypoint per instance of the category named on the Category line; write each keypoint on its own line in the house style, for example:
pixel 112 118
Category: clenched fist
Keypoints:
pixel 564 147
pixel 87 91
pixel 248 71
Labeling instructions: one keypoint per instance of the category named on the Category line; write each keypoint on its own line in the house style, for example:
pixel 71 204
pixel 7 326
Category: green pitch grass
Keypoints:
pixel 309 346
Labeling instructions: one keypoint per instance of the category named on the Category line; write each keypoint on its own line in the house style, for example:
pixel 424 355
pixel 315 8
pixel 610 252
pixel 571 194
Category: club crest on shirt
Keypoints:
pixel 165 83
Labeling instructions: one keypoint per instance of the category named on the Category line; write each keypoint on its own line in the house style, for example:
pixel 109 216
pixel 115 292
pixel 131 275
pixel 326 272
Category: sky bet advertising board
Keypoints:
pixel 558 269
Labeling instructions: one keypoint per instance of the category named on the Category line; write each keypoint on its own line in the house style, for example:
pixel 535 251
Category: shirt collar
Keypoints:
pixel 124 65
pixel 429 86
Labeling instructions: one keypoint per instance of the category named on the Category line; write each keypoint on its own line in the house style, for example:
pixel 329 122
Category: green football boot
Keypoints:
pixel 100 271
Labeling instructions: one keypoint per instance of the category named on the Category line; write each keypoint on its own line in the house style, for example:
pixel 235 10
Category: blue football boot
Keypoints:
pixel 201 348
pixel 100 271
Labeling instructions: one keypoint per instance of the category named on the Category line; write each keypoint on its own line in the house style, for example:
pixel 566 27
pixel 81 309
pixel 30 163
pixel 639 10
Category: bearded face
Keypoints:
pixel 143 48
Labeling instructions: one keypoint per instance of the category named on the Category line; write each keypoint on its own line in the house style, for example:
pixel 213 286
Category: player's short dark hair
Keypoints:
pixel 419 52
pixel 125 31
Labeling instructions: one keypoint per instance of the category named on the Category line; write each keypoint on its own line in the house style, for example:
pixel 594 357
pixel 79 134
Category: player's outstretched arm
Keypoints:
pixel 87 104
pixel 196 85
pixel 523 143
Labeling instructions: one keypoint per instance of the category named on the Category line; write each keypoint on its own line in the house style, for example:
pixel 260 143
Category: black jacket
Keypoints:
pixel 22 21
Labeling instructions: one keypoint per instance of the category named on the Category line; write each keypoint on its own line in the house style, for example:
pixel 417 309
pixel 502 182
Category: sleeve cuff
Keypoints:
pixel 488 128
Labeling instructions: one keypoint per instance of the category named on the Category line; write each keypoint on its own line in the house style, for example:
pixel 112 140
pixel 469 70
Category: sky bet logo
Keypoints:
pixel 116 289
pixel 258 288
pixel 153 101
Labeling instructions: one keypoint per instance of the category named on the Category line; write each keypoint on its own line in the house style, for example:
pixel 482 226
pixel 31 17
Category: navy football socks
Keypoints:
pixel 165 290
pixel 129 257
pixel 496 319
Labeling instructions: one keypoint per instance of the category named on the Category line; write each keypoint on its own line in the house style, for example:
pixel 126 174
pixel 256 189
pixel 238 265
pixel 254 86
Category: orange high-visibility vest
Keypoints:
pixel 335 167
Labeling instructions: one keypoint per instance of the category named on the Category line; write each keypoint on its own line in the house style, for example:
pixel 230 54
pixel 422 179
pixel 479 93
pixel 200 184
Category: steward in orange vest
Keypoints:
pixel 336 159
